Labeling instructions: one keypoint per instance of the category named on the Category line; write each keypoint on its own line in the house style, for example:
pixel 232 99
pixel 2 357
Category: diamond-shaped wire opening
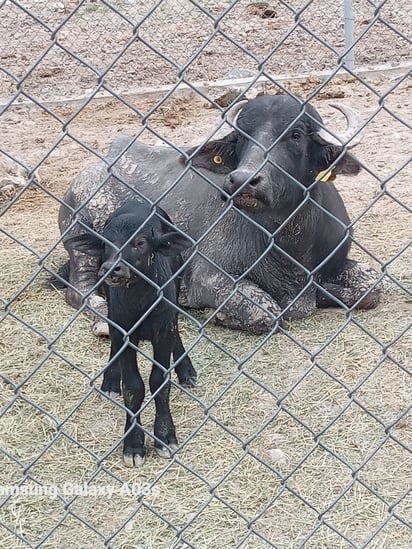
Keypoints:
pixel 254 416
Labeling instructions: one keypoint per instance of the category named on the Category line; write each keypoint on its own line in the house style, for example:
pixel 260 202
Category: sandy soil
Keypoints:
pixel 47 51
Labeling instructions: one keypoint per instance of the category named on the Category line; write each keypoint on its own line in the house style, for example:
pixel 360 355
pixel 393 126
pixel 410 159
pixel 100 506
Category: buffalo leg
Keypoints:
pixel 164 429
pixel 357 285
pixel 301 306
pixel 83 277
pixel 247 307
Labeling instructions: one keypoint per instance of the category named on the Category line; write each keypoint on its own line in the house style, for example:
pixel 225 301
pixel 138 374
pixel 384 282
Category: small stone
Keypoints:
pixel 58 6
pixel 227 98
pixel 278 456
pixel 239 73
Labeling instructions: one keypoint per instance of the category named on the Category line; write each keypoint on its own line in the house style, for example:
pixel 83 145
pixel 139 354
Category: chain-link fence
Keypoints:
pixel 298 434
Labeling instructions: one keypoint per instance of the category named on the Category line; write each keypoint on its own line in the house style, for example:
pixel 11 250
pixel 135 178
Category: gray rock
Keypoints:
pixel 239 73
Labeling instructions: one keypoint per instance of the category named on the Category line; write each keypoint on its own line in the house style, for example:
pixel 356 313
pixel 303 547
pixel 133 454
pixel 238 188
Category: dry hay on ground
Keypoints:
pixel 312 425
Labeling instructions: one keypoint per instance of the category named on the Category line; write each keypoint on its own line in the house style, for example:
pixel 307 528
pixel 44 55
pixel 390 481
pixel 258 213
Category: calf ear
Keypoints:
pixel 347 164
pixel 86 243
pixel 215 156
pixel 172 243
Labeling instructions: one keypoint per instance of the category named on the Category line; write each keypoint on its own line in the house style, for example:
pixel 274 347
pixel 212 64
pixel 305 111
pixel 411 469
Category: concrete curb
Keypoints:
pixel 210 88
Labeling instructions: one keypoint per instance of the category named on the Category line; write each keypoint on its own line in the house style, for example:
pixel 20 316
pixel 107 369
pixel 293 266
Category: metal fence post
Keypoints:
pixel 349 59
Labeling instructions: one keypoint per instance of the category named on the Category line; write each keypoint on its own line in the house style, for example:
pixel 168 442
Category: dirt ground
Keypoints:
pixel 71 48
pixel 306 443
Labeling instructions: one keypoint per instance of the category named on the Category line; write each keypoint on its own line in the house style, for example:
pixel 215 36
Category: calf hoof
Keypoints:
pixel 166 452
pixel 111 388
pixel 189 382
pixel 134 457
pixel 112 394
pixel 186 374
pixel 100 328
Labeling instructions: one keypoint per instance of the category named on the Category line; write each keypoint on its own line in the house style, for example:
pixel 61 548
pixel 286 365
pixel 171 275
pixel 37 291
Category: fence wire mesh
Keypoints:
pixel 299 438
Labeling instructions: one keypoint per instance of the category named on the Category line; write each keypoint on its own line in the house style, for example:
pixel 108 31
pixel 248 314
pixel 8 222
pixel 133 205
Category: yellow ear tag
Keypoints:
pixel 217 159
pixel 324 175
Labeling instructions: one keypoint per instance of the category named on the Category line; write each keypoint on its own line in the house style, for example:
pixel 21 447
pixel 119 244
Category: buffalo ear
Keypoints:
pixel 347 164
pixel 87 243
pixel 172 243
pixel 217 156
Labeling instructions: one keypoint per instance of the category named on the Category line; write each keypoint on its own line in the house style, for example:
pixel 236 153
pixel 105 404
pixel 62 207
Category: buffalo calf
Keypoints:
pixel 140 253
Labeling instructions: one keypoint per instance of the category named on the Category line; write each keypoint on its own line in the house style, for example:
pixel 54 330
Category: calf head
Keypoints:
pixel 128 247
pixel 278 149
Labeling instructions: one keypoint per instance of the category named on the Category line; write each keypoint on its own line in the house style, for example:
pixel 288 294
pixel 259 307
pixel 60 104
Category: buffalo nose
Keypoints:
pixel 119 270
pixel 240 177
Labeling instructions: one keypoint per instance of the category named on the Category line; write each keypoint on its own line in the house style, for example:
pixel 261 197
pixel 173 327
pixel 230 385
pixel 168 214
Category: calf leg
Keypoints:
pixel 357 285
pixel 186 374
pixel 112 373
pixel 164 429
pixel 133 394
pixel 123 365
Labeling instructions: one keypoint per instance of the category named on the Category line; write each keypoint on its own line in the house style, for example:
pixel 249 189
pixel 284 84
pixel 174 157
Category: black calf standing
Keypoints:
pixel 154 251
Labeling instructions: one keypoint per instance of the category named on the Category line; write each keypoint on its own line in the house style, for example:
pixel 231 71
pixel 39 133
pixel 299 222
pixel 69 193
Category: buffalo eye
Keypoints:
pixel 296 135
pixel 140 244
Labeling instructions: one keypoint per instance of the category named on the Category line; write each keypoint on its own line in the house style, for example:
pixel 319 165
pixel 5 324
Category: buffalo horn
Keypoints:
pixel 352 133
pixel 230 115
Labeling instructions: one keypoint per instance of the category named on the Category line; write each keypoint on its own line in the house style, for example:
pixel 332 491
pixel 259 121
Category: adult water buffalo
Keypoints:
pixel 273 236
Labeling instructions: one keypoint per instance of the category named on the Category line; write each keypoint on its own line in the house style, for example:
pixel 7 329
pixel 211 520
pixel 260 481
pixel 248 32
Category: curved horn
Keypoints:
pixel 230 116
pixel 352 133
